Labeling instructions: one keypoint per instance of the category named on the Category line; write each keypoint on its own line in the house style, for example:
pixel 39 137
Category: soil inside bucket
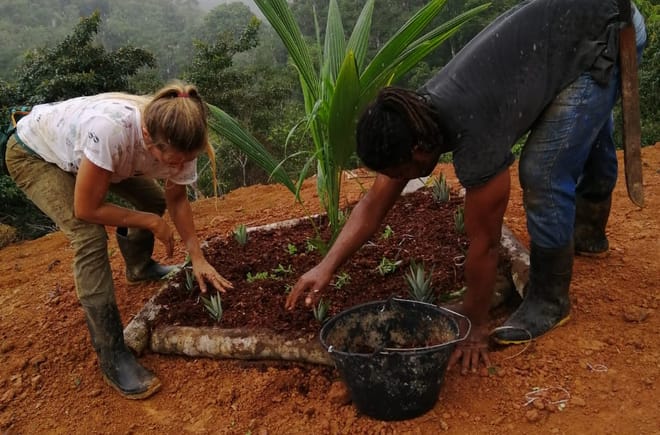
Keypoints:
pixel 372 345
pixel 385 326
pixel 268 265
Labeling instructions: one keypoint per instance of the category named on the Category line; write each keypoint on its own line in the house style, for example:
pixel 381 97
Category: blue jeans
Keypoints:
pixel 571 149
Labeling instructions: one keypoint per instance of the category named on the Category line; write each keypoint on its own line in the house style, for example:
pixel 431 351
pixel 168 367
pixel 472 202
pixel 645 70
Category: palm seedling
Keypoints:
pixel 387 266
pixel 440 189
pixel 459 220
pixel 419 283
pixel 341 280
pixel 213 305
pixel 241 234
pixel 320 311
pixel 338 87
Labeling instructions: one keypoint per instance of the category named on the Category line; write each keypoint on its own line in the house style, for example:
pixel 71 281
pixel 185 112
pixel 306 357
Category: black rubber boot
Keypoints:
pixel 136 248
pixel 546 303
pixel 590 222
pixel 119 367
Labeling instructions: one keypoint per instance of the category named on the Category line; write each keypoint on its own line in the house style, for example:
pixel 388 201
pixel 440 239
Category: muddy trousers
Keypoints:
pixel 52 189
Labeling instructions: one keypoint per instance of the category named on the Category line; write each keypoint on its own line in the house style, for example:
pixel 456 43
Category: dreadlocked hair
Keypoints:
pixel 393 125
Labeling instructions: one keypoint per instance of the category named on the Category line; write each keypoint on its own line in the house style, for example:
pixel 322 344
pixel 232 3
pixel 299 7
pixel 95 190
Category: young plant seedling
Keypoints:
pixel 281 270
pixel 419 284
pixel 187 264
pixel 387 233
pixel 341 280
pixel 321 310
pixel 312 245
pixel 240 234
pixel 291 249
pixel 440 189
pixel 446 297
pixel 459 220
pixel 213 305
pixel 190 279
pixel 387 266
pixel 257 276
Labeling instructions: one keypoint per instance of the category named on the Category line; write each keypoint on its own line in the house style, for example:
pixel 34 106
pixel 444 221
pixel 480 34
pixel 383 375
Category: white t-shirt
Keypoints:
pixel 104 128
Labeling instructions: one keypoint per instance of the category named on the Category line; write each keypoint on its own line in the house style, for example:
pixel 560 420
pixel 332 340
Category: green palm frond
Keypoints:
pixel 336 94
pixel 222 124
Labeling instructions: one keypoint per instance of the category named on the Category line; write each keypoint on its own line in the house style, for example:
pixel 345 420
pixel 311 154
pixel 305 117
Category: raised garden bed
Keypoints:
pixel 255 325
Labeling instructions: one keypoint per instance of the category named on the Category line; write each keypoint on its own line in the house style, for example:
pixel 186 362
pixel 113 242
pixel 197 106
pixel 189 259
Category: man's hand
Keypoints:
pixel 204 272
pixel 471 350
pixel 313 282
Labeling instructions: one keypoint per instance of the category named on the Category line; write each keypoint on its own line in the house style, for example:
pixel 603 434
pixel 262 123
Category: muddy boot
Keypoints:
pixel 136 248
pixel 546 303
pixel 590 221
pixel 119 367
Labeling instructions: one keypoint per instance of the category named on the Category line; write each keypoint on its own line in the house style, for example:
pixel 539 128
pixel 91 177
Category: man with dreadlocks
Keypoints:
pixel 547 67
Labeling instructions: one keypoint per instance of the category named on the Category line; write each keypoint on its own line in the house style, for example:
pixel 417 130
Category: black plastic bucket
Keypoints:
pixel 393 354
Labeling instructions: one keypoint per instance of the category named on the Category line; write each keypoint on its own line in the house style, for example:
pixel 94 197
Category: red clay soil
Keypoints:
pixel 597 374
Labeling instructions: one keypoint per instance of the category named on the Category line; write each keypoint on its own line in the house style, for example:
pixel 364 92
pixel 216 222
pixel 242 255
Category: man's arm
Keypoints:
pixel 484 213
pixel 363 221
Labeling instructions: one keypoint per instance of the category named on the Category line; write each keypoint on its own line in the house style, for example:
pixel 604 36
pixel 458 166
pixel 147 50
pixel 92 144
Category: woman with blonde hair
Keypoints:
pixel 67 156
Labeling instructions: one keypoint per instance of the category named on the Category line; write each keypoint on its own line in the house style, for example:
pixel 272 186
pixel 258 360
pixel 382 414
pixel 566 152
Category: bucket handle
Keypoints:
pixel 459 317
pixel 388 302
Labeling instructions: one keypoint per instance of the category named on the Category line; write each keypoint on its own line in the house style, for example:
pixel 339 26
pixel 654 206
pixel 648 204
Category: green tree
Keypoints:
pixel 649 75
pixel 78 66
pixel 257 93
pixel 161 27
pixel 74 67
pixel 338 88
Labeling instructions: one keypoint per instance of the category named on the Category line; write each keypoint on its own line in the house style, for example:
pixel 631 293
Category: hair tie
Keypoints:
pixel 183 95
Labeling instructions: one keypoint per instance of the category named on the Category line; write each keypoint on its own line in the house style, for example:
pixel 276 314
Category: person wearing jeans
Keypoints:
pixel 546 68
pixel 67 156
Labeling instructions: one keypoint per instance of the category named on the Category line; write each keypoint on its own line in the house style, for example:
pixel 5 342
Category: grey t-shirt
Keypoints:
pixel 493 90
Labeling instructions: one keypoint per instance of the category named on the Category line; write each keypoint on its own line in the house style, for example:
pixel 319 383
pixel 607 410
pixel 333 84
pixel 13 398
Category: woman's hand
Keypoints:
pixel 204 273
pixel 313 282
pixel 472 350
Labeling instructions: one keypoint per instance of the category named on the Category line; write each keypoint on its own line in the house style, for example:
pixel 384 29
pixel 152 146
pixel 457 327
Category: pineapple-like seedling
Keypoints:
pixel 440 189
pixel 459 220
pixel 241 234
pixel 213 305
pixel 320 311
pixel 419 283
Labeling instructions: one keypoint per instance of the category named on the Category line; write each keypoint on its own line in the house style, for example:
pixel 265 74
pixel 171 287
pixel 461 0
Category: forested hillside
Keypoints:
pixel 57 49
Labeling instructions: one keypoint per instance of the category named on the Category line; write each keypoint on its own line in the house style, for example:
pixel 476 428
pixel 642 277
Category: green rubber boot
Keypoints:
pixel 136 247
pixel 590 222
pixel 119 367
pixel 546 304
